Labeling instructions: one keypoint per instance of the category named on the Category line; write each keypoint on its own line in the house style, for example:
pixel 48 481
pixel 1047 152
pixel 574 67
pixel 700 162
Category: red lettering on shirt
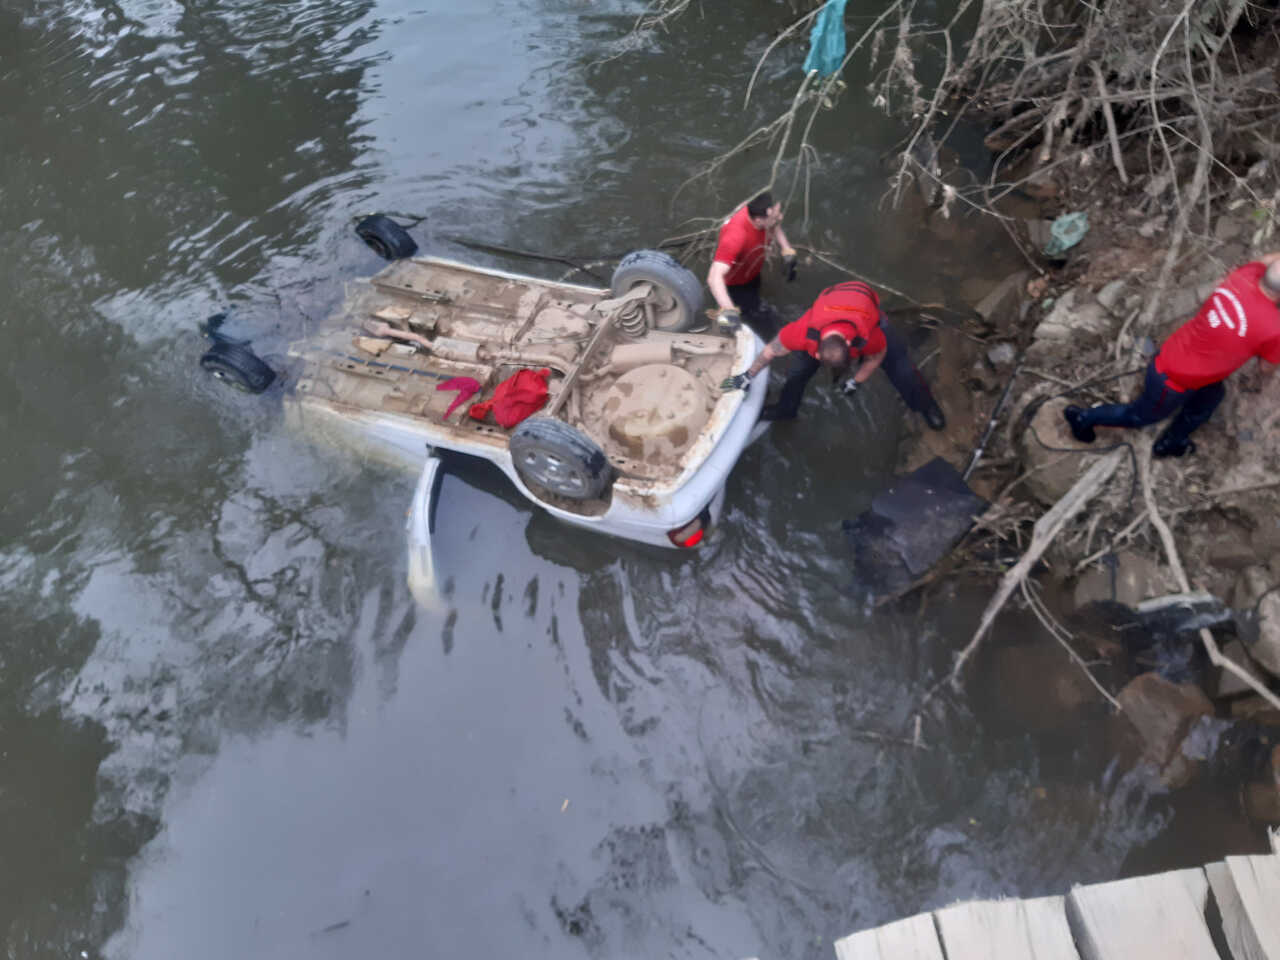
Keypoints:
pixel 1236 323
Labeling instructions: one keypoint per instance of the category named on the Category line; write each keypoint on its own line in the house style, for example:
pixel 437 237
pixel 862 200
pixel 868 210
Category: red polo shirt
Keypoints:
pixel 741 246
pixel 1236 323
pixel 849 309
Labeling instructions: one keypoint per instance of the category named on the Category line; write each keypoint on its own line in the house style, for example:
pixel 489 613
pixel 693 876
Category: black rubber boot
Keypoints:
pixel 1081 431
pixel 1166 447
pixel 934 417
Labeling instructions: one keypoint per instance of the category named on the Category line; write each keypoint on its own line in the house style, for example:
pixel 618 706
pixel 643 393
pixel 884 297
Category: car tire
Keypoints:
pixel 237 365
pixel 679 291
pixel 386 238
pixel 550 455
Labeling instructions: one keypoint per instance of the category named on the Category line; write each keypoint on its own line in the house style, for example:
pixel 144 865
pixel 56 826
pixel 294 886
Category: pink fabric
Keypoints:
pixel 467 388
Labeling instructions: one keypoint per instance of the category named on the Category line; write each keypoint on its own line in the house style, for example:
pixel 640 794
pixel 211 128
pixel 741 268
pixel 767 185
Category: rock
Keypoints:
pixel 1227 229
pixel 1109 296
pixel 1136 579
pixel 1250 586
pixel 1256 709
pixel 1002 354
pixel 1266 647
pixel 1075 313
pixel 1262 797
pixel 1262 802
pixel 1232 553
pixel 1265 537
pixel 1224 684
pixel 1151 228
pixel 1038 232
pixel 1183 303
pixel 1041 186
pixel 1002 306
pixel 1051 472
pixel 1163 713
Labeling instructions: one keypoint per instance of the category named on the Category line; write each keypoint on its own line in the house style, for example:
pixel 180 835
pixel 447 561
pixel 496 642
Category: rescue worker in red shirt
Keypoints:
pixel 1240 320
pixel 845 323
pixel 734 277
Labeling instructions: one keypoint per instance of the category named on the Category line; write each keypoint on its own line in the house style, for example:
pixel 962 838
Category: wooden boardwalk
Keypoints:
pixel 1226 911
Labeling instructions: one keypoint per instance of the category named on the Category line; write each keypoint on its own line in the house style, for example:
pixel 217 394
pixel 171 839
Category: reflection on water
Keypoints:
pixel 227 730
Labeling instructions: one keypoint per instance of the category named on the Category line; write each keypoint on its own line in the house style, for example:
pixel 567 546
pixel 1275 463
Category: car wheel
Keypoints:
pixel 386 238
pixel 237 365
pixel 677 297
pixel 551 455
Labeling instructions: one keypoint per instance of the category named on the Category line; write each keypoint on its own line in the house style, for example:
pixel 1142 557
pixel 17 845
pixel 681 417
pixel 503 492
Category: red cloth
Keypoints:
pixel 521 395
pixel 467 388
pixel 849 309
pixel 1236 323
pixel 741 245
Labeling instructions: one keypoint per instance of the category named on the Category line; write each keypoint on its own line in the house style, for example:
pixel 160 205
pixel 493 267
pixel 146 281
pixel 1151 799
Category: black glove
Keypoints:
pixel 739 381
pixel 848 386
pixel 789 265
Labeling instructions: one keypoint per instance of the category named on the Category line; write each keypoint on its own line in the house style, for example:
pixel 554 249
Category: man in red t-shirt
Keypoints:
pixel 844 323
pixel 734 277
pixel 1240 320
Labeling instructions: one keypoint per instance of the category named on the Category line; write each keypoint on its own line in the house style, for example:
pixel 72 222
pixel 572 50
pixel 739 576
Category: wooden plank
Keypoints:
pixel 1247 890
pixel 1007 930
pixel 911 939
pixel 1159 917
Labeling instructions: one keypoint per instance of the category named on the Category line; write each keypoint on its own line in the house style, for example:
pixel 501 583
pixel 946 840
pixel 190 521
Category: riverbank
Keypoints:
pixel 1072 328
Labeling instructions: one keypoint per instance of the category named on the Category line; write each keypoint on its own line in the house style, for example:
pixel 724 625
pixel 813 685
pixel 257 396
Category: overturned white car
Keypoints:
pixel 636 439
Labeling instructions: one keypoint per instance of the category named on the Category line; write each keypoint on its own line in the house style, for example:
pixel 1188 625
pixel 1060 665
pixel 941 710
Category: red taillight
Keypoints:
pixel 691 534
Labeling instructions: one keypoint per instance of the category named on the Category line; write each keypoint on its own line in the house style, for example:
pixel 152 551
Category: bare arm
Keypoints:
pixel 869 366
pixel 1268 258
pixel 780 236
pixel 715 282
pixel 772 350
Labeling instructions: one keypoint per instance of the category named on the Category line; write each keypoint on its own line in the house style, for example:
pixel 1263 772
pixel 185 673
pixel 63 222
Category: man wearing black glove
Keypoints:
pixel 734 277
pixel 844 323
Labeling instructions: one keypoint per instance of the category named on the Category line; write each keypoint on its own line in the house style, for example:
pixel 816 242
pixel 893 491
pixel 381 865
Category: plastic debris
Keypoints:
pixel 826 40
pixel 1065 232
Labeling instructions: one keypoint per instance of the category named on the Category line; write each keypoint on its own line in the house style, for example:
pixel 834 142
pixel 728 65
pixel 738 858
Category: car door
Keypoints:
pixel 420 527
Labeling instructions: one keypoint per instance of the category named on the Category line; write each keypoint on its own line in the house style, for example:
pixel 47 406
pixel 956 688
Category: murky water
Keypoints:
pixel 226 730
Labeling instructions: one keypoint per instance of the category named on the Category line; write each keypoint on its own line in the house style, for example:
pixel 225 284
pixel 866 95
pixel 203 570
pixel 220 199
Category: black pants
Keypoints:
pixel 897 365
pixel 756 312
pixel 1157 401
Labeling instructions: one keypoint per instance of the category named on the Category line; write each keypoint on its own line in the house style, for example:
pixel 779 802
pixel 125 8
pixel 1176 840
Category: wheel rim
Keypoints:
pixel 667 310
pixel 377 245
pixel 548 469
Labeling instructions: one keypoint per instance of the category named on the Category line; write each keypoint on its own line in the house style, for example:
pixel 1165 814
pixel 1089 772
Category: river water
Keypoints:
pixel 226 730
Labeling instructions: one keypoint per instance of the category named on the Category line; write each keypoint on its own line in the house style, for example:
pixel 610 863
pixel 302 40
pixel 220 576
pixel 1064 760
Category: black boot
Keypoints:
pixel 1083 432
pixel 1166 446
pixel 934 417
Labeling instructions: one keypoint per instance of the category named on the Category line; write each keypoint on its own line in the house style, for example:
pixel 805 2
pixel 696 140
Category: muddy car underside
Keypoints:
pixel 647 397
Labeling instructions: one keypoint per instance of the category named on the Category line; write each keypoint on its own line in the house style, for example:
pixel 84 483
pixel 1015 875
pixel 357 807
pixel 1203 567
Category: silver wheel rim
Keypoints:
pixel 548 469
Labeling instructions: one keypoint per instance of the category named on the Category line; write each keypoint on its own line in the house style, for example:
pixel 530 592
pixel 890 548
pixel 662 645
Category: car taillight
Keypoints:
pixel 691 534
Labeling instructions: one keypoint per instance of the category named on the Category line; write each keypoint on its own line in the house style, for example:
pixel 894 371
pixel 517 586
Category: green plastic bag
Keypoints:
pixel 1065 232
pixel 826 40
